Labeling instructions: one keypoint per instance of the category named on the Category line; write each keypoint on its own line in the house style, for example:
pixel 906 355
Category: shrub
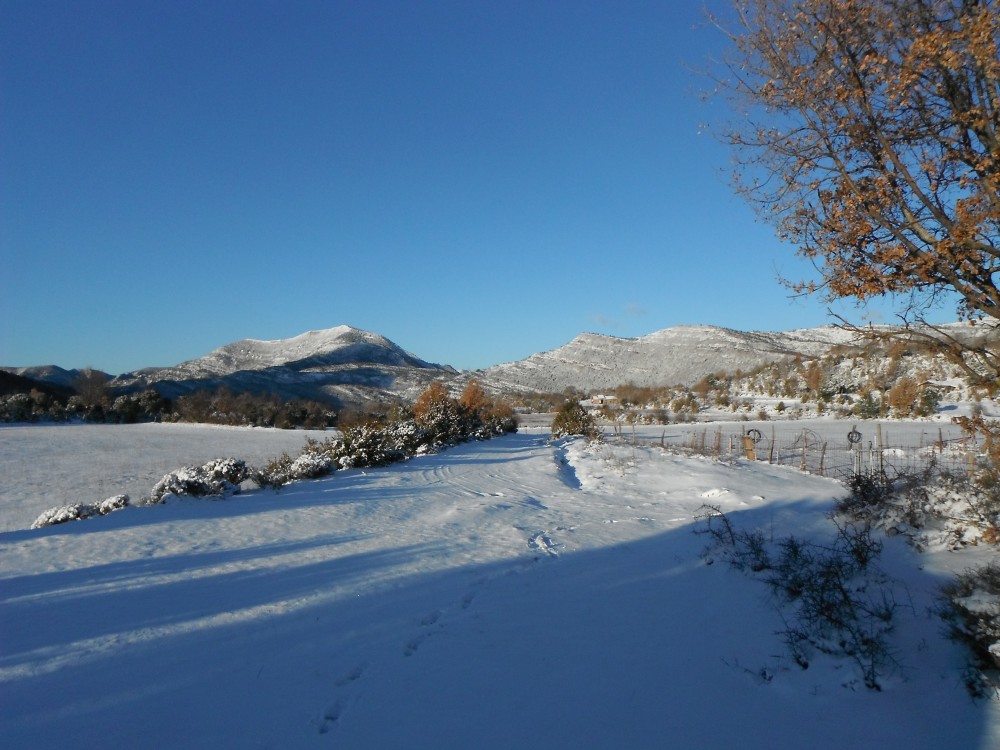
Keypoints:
pixel 971 608
pixel 80 511
pixel 867 407
pixel 927 403
pixel 866 492
pixel 573 419
pixel 365 445
pixel 842 603
pixel 902 397
pixel 499 419
pixel 311 464
pixel 932 510
pixel 218 478
pixel 275 474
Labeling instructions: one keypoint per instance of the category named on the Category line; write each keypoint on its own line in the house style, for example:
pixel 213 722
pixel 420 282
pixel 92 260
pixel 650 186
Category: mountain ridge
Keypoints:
pixel 669 356
pixel 347 365
pixel 341 364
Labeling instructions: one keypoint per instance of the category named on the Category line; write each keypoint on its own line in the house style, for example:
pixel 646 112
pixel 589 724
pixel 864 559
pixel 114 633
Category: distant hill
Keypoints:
pixel 11 382
pixel 48 374
pixel 673 356
pixel 348 366
pixel 342 364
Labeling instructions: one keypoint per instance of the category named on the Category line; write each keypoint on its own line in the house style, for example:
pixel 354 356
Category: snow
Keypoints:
pixel 332 346
pixel 44 466
pixel 682 354
pixel 507 593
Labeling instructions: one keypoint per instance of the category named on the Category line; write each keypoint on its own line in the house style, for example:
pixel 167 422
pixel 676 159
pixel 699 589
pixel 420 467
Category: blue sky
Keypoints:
pixel 477 181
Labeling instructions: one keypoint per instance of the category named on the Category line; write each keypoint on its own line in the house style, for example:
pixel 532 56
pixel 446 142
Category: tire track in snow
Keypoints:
pixel 566 471
pixel 527 502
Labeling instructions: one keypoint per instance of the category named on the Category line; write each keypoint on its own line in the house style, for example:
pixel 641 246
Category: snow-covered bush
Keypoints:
pixel 275 474
pixel 365 445
pixel 80 511
pixel 573 419
pixel 436 420
pixel 834 597
pixel 218 478
pixel 311 464
pixel 137 407
pixel 443 420
pixel 112 504
pixel 405 436
pixel 942 511
pixel 499 420
pixel 972 610
pixel 31 407
pixel 63 514
pixel 932 510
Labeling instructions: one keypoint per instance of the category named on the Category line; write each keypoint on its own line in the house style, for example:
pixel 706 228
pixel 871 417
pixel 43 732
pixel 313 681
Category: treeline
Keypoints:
pixel 220 406
pixel 444 418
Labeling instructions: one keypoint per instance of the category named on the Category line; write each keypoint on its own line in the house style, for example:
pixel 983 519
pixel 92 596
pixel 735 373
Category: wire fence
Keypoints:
pixel 840 458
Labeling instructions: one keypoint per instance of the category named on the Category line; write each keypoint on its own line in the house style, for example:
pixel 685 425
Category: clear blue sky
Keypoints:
pixel 477 181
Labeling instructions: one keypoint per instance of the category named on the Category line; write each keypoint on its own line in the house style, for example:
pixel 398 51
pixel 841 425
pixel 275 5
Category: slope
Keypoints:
pixel 502 594
pixel 342 363
pixel 680 355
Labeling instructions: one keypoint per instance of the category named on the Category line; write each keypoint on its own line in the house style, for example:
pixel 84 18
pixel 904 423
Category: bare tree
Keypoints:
pixel 870 138
pixel 92 387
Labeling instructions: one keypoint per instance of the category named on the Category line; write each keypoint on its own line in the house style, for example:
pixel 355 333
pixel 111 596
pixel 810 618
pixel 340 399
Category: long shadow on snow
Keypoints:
pixel 639 644
pixel 72 583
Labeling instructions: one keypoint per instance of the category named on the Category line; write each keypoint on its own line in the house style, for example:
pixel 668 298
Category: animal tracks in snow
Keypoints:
pixel 336 709
pixel 331 716
pixel 352 676
pixel 411 646
pixel 430 624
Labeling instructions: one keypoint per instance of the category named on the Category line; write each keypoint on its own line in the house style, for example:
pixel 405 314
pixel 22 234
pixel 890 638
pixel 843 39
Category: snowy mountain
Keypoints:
pixel 680 355
pixel 342 363
pixel 351 366
pixel 50 374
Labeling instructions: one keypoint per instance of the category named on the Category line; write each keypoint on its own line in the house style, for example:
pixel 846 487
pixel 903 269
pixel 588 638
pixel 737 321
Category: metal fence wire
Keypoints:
pixel 839 458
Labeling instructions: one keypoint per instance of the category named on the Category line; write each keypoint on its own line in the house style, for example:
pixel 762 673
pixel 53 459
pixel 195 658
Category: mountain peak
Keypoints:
pixel 342 362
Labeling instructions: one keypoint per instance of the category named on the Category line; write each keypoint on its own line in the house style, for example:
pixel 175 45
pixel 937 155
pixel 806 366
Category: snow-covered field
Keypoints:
pixel 511 593
pixel 42 466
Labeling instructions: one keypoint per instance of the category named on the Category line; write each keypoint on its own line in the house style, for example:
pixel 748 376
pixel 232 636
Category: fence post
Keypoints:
pixel 881 455
pixel 822 458
pixel 854 441
pixel 802 467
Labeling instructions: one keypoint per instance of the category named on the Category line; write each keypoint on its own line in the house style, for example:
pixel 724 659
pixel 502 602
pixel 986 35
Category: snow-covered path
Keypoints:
pixel 501 594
